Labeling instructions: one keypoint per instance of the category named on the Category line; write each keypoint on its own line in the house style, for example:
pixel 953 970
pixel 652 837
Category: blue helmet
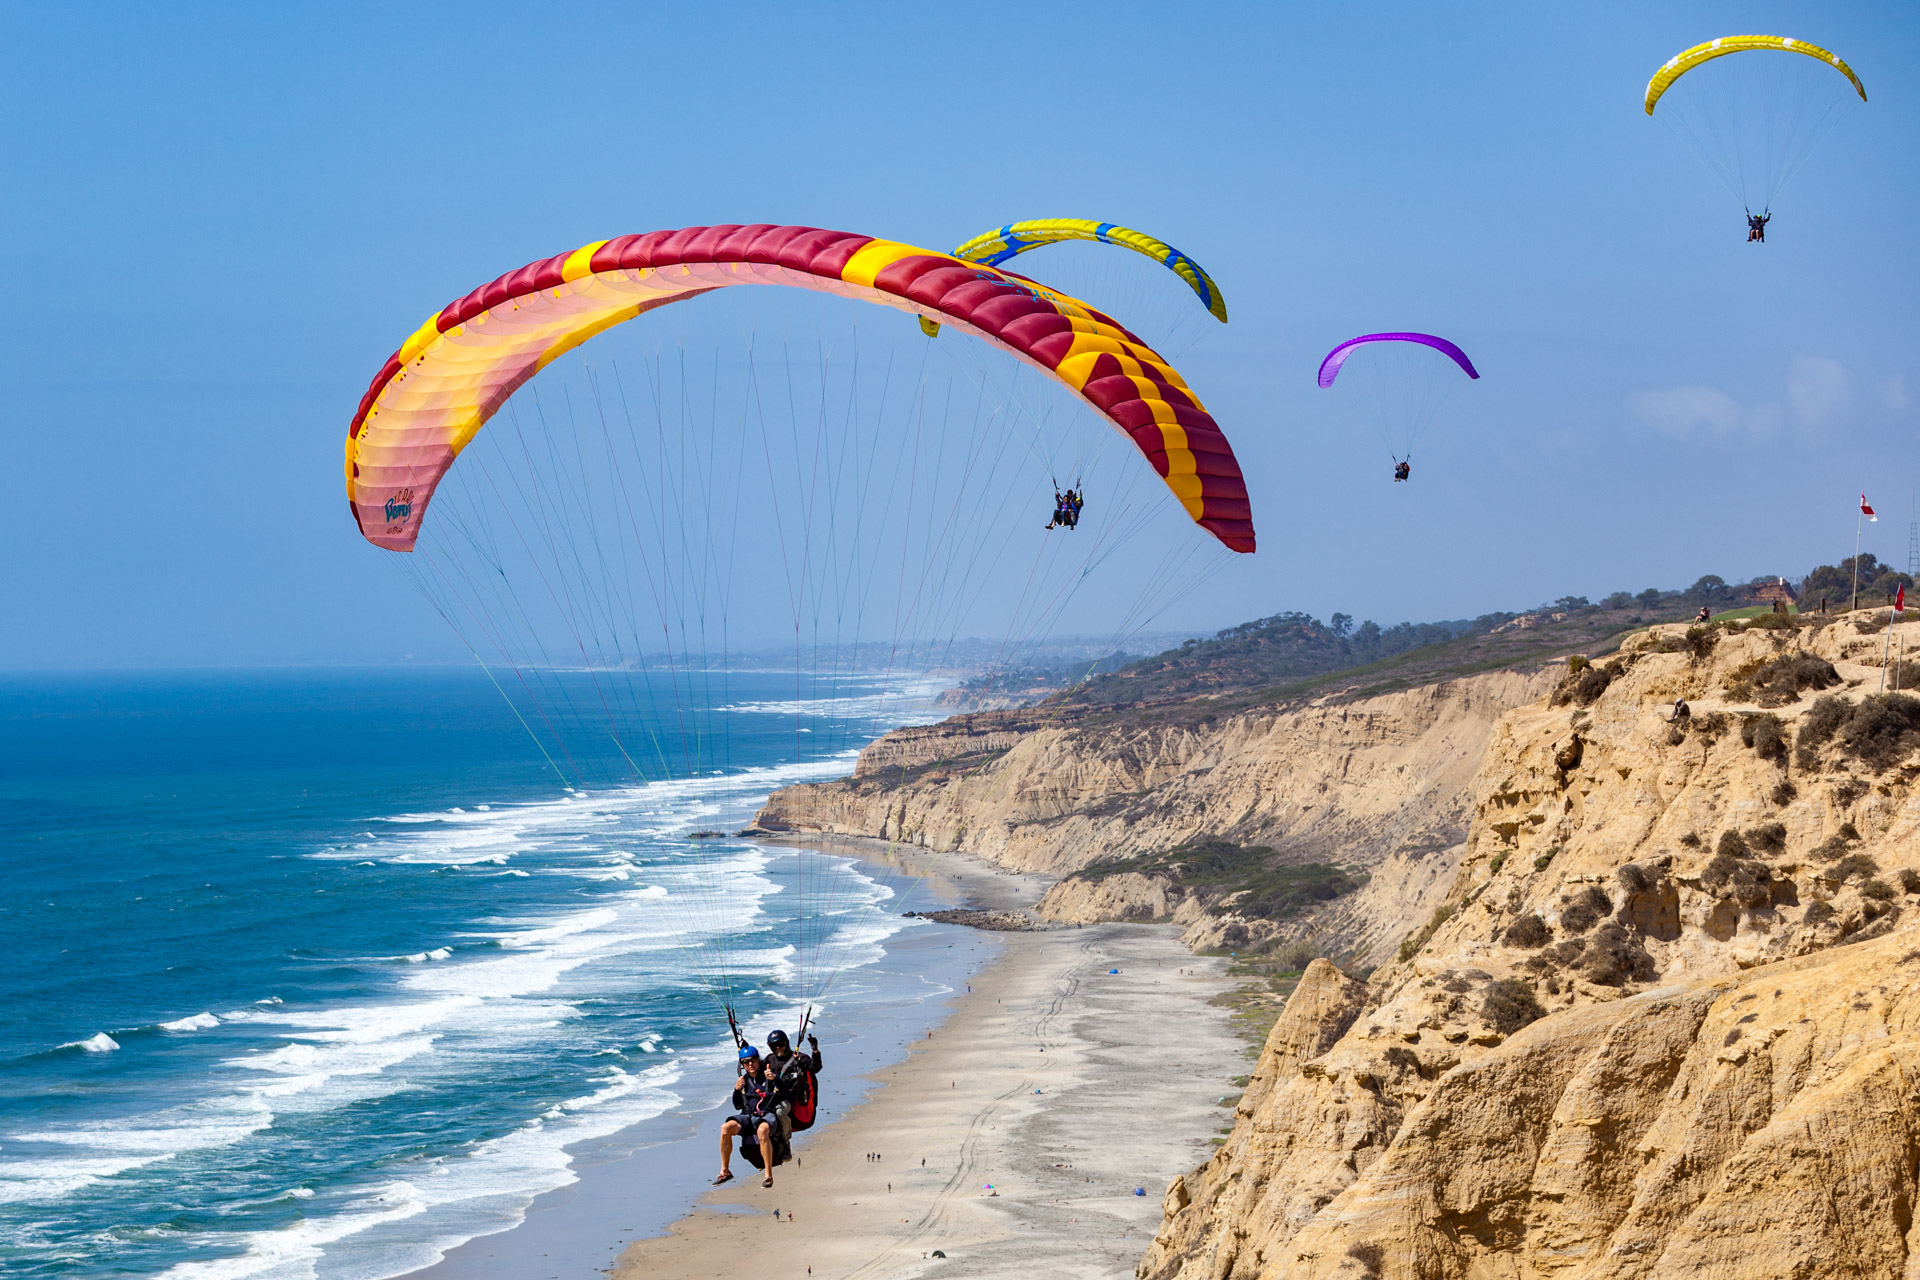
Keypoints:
pixel 748 1053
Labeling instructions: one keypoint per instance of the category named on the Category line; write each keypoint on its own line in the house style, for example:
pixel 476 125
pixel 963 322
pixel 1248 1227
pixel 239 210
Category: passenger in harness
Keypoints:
pixel 756 1097
pixel 797 1076
pixel 1401 470
pixel 1066 510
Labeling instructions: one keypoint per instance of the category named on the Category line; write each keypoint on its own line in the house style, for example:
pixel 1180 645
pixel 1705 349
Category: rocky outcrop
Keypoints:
pixel 1381 785
pixel 1759 1125
pixel 1663 1024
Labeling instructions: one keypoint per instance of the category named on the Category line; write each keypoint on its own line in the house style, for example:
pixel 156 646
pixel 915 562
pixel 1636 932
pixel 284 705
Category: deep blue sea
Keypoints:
pixel 318 973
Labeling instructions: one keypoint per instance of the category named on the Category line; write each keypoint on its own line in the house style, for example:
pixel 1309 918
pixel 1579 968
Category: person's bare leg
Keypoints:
pixel 727 1131
pixel 766 1153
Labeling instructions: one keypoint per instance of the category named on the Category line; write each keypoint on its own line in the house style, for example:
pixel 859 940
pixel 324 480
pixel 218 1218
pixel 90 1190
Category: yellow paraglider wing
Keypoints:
pixel 1681 63
pixel 996 247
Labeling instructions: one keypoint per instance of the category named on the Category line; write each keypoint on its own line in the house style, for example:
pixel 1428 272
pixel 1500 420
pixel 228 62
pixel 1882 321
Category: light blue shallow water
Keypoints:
pixel 318 974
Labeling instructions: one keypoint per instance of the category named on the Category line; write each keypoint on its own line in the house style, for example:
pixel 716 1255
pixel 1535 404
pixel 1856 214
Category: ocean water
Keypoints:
pixel 318 974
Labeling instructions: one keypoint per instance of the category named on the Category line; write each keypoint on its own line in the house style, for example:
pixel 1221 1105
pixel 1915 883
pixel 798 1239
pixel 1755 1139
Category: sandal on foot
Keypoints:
pixel 767 1181
pixel 725 1177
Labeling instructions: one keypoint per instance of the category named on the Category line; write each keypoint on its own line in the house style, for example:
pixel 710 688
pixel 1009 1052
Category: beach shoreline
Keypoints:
pixel 1034 1130
pixel 1130 1069
pixel 634 1183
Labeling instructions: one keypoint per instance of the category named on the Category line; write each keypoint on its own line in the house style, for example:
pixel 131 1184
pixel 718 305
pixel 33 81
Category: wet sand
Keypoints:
pixel 1052 1090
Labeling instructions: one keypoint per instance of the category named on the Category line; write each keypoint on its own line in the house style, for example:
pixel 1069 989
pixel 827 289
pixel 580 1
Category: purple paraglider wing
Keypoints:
pixel 1330 367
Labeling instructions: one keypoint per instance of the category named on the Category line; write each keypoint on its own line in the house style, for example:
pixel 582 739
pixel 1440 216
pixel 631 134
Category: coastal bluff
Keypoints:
pixel 1621 995
pixel 1381 785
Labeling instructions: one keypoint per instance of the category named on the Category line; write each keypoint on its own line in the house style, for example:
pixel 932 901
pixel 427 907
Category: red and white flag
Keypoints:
pixel 1866 510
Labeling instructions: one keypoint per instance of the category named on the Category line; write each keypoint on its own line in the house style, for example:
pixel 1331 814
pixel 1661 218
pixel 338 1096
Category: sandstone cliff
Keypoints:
pixel 1664 1023
pixel 1379 785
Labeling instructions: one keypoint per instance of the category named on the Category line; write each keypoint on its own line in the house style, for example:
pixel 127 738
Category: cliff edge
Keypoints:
pixel 1663 1024
pixel 1376 792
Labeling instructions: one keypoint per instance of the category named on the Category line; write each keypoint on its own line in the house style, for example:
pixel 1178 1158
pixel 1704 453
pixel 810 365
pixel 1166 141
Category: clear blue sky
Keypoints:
pixel 218 221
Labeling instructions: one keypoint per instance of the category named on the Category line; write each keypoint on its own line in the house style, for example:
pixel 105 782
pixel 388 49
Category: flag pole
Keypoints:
pixel 1859 523
pixel 1887 656
pixel 1894 611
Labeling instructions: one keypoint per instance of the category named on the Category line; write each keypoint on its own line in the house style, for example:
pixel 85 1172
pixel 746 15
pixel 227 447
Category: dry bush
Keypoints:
pixel 1883 730
pixel 1820 913
pixel 1879 731
pixel 1691 840
pixel 1778 681
pixel 1529 931
pixel 1903 676
pixel 1587 909
pixel 1371 1258
pixel 1635 878
pixel 1879 891
pixel 1614 957
pixel 1584 685
pixel 1766 735
pixel 1510 1005
pixel 1909 880
pixel 1836 844
pixel 1737 878
pixel 1768 838
pixel 1845 793
pixel 1783 793
pixel 1732 845
pixel 1296 956
pixel 1697 643
pixel 1854 864
pixel 1817 727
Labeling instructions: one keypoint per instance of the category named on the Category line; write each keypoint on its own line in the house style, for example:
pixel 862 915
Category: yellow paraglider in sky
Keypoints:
pixel 1753 118
pixel 1681 63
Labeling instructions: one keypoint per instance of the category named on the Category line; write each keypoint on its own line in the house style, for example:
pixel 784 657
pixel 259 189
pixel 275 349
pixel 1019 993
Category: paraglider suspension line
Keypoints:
pixel 733 1025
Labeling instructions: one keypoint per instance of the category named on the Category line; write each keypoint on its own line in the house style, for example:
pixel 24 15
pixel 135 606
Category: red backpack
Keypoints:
pixel 808 1101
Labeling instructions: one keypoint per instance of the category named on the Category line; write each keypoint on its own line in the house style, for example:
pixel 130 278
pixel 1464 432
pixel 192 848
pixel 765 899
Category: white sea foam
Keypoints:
pixel 479 1192
pixel 910 702
pixel 100 1043
pixel 493 999
pixel 198 1022
pixel 106 1149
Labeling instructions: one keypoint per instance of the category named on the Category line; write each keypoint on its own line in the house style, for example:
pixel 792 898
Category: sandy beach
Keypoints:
pixel 1012 1139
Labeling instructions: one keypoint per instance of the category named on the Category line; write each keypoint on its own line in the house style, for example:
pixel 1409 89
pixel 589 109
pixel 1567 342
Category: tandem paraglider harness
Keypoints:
pixel 1066 508
pixel 798 1092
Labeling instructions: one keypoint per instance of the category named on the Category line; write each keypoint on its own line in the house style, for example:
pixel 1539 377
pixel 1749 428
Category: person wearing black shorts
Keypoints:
pixel 756 1097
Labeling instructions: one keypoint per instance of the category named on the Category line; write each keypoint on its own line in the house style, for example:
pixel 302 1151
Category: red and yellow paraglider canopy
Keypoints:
pixel 444 383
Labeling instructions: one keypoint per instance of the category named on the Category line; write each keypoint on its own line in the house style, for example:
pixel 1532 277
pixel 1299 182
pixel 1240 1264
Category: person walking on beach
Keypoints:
pixel 755 1095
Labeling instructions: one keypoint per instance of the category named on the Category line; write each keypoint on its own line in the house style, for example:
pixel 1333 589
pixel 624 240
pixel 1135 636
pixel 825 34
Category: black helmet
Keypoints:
pixel 776 1039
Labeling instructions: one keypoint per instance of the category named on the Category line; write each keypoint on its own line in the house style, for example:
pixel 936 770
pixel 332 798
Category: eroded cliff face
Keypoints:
pixel 1382 785
pixel 1666 1023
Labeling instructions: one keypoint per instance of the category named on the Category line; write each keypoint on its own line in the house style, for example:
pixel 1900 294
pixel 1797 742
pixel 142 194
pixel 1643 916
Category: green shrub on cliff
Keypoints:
pixel 1248 880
